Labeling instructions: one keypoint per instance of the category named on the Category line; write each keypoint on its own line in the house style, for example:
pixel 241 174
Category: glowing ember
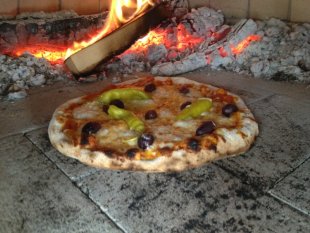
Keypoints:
pixel 184 40
pixel 54 54
pixel 245 43
pixel 118 15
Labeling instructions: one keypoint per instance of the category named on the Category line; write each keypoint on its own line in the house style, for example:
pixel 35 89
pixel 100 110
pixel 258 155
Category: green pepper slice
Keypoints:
pixel 195 109
pixel 122 94
pixel 133 122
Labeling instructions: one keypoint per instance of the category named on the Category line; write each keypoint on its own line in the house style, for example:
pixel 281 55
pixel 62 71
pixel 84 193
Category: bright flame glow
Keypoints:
pixel 183 40
pixel 245 43
pixel 54 54
pixel 118 15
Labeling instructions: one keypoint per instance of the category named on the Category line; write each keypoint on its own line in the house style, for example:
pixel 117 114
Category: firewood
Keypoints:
pixel 86 60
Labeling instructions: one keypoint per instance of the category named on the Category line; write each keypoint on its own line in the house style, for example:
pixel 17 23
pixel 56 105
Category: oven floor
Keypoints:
pixel 265 190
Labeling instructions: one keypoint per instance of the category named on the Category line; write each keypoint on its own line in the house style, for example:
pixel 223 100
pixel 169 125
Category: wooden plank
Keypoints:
pixel 86 60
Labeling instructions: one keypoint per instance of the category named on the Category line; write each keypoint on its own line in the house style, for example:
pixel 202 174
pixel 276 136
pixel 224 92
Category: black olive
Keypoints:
pixel 91 128
pixel 151 114
pixel 205 128
pixel 84 139
pixel 229 109
pixel 105 108
pixel 145 140
pixel 213 147
pixel 88 129
pixel 185 104
pixel 108 152
pixel 117 103
pixel 150 87
pixel 193 144
pixel 184 90
pixel 132 152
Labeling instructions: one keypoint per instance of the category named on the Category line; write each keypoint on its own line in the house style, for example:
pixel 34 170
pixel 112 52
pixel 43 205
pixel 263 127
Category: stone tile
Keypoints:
pixel 231 8
pixel 93 87
pixel 36 197
pixel 248 90
pixel 264 9
pixel 300 11
pixel 280 147
pixel 71 167
pixel 283 212
pixel 207 199
pixel 98 86
pixel 296 111
pixel 295 188
pixel 34 111
pixel 245 82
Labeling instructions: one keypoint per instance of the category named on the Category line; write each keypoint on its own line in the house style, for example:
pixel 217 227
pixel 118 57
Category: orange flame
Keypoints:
pixel 118 15
pixel 183 40
pixel 53 53
pixel 245 43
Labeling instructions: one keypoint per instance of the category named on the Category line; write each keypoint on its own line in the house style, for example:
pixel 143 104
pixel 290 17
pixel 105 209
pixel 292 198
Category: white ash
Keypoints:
pixel 155 53
pixel 200 22
pixel 283 53
pixel 178 7
pixel 192 62
pixel 18 74
pixel 17 95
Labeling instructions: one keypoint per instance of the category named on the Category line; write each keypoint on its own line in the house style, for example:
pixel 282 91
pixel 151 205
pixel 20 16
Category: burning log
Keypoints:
pixel 46 35
pixel 87 59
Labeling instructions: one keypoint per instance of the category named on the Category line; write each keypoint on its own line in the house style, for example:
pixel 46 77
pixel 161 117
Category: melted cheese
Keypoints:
pixel 166 100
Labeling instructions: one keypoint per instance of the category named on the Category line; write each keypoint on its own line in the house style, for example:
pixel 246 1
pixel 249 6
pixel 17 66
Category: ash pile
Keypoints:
pixel 269 49
pixel 200 38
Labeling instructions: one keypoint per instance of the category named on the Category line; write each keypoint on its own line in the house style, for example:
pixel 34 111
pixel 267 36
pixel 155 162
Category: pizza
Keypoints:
pixel 156 124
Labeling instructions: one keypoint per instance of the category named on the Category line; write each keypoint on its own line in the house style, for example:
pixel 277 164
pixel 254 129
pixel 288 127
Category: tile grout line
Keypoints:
pixel 282 200
pixel 23 132
pixel 261 98
pixel 79 178
pixel 262 192
pixel 75 184
pixel 288 203
pixel 289 173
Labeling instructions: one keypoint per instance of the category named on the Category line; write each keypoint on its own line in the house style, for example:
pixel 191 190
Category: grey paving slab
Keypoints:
pixel 89 88
pixel 71 167
pixel 100 85
pixel 294 110
pixel 246 88
pixel 207 199
pixel 34 111
pixel 246 82
pixel 37 197
pixel 295 188
pixel 280 147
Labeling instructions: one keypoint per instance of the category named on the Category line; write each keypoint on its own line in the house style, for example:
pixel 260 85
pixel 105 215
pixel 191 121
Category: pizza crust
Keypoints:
pixel 230 143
